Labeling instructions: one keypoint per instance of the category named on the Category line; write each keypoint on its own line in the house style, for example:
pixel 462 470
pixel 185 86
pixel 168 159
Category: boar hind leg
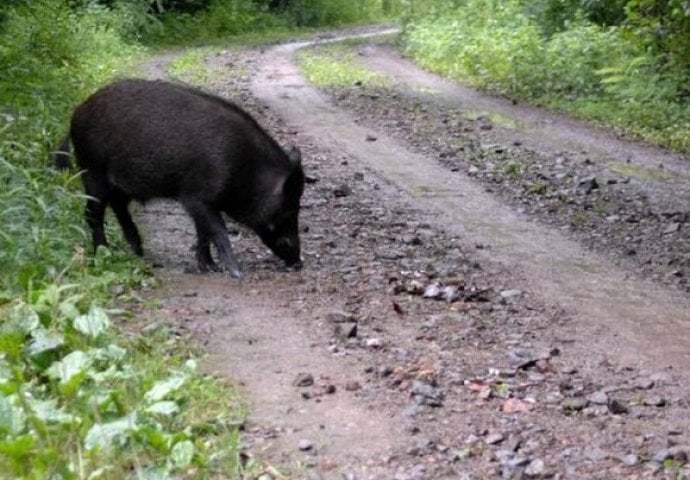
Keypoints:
pixel 210 227
pixel 95 215
pixel 119 202
pixel 95 208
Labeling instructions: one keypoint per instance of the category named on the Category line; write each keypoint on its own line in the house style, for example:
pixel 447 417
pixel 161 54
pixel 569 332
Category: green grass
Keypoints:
pixel 191 67
pixel 335 66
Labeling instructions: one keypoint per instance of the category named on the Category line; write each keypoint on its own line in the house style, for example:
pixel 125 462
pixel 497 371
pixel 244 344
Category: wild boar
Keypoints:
pixel 137 139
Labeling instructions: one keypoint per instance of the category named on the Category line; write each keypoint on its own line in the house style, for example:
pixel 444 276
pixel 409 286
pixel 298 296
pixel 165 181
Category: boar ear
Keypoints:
pixel 295 156
pixel 294 183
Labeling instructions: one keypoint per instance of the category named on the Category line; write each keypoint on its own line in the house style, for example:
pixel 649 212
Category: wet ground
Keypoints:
pixel 445 325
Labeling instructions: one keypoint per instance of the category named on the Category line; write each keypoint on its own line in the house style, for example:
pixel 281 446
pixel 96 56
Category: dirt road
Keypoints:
pixel 438 329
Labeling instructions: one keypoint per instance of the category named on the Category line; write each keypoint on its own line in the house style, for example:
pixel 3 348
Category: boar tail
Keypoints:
pixel 61 157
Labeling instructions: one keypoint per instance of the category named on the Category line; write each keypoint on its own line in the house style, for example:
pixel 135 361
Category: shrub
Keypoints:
pixel 559 56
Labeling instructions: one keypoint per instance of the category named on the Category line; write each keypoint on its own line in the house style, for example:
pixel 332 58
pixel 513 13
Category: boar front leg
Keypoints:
pixel 210 227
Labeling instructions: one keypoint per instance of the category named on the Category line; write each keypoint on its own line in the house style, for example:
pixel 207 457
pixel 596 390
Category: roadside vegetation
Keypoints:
pixel 335 65
pixel 80 397
pixel 623 63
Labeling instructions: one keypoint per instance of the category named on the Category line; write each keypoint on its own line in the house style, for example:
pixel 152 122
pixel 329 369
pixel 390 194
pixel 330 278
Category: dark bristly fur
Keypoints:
pixel 138 139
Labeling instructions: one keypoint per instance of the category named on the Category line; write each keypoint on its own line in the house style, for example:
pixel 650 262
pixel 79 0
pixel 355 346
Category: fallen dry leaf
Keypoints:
pixel 513 405
pixel 398 309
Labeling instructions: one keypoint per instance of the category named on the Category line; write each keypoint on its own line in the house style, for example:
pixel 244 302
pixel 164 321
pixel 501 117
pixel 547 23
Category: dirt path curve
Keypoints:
pixel 482 386
pixel 651 322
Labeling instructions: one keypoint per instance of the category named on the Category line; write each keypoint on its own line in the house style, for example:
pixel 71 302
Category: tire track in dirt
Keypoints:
pixel 651 323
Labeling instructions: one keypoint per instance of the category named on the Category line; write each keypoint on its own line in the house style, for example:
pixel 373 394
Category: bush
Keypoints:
pixel 560 57
pixel 488 44
pixel 332 12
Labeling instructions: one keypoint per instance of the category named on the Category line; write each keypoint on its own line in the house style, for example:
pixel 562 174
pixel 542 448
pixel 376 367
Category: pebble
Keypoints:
pixel 671 228
pixel 353 386
pixel 644 383
pixel 630 460
pixel 588 185
pixel 345 330
pixel 661 378
pixel 617 407
pixel 305 445
pixel 342 190
pixel 411 240
pixel 596 454
pixel 654 401
pixel 338 316
pixel 598 398
pixel 304 380
pixel 494 438
pixel 330 389
pixel 511 293
pixel 412 410
pixel 426 394
pixel 574 404
pixel 535 468
pixel 680 453
pixel 374 343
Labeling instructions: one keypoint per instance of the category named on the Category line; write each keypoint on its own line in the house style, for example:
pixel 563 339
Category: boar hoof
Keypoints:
pixel 205 266
pixel 236 273
pixel 293 267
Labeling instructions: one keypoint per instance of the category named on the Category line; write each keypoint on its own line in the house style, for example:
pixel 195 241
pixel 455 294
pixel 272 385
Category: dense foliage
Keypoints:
pixel 625 63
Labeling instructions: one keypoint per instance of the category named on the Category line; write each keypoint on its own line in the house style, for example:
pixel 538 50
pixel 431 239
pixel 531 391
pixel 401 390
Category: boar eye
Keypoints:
pixel 271 227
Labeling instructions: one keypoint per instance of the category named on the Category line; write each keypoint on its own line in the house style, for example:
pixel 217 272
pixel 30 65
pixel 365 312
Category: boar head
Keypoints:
pixel 279 229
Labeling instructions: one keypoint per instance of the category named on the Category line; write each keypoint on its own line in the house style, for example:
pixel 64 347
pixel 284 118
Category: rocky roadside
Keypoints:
pixel 639 216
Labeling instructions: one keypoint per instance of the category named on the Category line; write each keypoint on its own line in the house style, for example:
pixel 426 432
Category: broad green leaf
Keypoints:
pixel 68 307
pixel 163 388
pixel 44 340
pixel 22 319
pixel 12 417
pixel 93 323
pixel 48 412
pixel 71 365
pixel 50 295
pixel 115 352
pixel 111 352
pixel 163 408
pixel 181 454
pixel 107 435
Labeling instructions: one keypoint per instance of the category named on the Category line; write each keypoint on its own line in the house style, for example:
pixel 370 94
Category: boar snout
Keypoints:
pixel 288 249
